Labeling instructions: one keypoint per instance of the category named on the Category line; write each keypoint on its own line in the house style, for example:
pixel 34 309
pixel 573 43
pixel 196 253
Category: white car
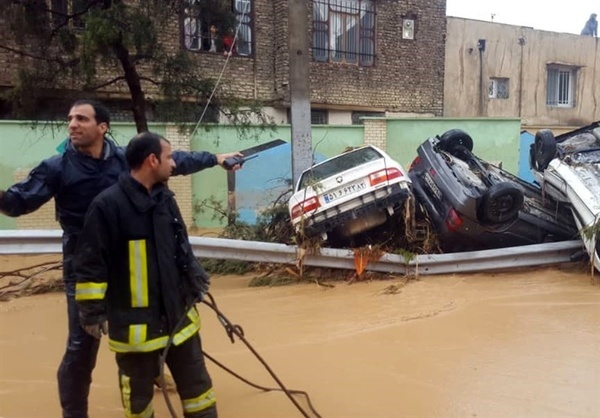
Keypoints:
pixel 349 194
pixel 568 168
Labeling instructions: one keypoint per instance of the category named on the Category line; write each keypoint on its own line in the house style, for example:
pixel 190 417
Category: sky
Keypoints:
pixel 547 15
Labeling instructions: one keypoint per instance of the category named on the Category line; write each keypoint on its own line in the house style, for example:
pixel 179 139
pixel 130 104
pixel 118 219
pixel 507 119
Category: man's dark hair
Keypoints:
pixel 141 146
pixel 101 112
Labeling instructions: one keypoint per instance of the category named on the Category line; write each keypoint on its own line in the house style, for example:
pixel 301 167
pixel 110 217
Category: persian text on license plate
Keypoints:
pixel 344 191
pixel 431 184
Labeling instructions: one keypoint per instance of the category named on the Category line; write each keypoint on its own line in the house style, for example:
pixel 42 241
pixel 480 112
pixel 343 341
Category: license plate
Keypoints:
pixel 344 191
pixel 431 184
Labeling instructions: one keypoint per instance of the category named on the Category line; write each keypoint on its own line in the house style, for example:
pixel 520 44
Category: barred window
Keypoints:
pixel 317 116
pixel 62 9
pixel 344 31
pixel 561 85
pixel 199 34
pixel 498 88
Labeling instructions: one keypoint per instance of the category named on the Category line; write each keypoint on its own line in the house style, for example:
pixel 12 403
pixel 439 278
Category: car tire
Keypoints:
pixel 544 149
pixel 501 203
pixel 454 138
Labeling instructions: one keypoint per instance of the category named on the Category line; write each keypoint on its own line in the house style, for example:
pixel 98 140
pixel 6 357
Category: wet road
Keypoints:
pixel 523 344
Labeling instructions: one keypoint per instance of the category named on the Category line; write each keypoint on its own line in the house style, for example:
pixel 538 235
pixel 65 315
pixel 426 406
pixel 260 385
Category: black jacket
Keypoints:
pixel 74 179
pixel 126 265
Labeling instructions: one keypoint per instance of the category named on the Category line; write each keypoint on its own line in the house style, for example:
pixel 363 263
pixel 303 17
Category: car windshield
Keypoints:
pixel 337 165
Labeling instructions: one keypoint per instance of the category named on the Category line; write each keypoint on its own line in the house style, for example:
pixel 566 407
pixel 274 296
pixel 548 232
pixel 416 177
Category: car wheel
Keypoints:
pixel 501 203
pixel 544 148
pixel 453 138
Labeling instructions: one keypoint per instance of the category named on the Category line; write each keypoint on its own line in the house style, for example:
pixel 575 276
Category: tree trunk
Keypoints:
pixel 132 77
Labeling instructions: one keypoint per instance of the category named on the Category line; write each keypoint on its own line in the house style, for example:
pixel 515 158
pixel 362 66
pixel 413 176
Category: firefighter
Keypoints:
pixel 137 279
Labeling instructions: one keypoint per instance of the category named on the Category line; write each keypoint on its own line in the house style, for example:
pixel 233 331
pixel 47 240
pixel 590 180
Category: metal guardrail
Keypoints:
pixel 49 242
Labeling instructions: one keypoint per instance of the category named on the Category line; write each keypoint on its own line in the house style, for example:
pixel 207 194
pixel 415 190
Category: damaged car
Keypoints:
pixel 567 167
pixel 349 194
pixel 473 205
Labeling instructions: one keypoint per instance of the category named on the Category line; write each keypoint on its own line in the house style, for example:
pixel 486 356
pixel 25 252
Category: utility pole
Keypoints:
pixel 299 87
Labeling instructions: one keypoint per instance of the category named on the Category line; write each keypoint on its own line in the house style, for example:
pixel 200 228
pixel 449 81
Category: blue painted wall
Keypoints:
pixel 264 179
pixel 525 142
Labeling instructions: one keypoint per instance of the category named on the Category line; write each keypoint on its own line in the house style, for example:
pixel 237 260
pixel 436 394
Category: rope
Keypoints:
pixel 231 330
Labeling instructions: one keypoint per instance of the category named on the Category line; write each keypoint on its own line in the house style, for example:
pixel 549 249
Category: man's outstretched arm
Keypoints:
pixel 190 162
pixel 28 195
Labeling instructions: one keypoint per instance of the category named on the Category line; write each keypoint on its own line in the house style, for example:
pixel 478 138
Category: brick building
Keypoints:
pixel 368 57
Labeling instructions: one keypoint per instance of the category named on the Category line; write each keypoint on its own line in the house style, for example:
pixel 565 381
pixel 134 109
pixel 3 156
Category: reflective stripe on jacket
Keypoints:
pixel 126 270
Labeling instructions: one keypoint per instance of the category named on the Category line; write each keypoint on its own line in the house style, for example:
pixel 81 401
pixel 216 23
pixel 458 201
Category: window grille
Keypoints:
pixel 560 86
pixel 344 31
pixel 197 30
pixel 498 88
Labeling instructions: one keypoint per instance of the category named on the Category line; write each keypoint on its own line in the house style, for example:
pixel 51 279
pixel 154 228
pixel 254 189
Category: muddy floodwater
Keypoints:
pixel 521 344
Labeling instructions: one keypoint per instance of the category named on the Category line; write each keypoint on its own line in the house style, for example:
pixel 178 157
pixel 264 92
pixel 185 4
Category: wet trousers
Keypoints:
pixel 137 372
pixel 75 371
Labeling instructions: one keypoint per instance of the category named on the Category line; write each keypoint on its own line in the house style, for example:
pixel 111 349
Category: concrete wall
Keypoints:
pixel 520 54
pixel 23 147
pixel 494 139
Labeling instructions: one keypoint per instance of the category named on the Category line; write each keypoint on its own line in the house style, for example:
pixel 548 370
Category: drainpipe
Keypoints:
pixel 481 48
pixel 521 44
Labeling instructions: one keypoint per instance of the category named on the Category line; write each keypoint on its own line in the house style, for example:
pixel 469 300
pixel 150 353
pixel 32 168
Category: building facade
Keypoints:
pixel 368 57
pixel 547 79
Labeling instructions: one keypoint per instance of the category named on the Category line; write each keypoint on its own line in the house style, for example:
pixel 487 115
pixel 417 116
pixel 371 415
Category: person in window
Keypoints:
pixel 138 281
pixel 228 44
pixel 213 42
pixel 591 26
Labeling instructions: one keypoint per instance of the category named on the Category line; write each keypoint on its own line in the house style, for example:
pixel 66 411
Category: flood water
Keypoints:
pixel 521 344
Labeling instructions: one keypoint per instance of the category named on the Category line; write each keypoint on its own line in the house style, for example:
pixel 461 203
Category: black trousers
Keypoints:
pixel 75 371
pixel 137 372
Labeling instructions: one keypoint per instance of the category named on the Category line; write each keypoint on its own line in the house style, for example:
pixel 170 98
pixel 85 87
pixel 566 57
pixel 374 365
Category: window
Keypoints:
pixel 242 10
pixel 62 10
pixel 344 31
pixel 561 84
pixel 317 116
pixel 200 34
pixel 357 116
pixel 498 88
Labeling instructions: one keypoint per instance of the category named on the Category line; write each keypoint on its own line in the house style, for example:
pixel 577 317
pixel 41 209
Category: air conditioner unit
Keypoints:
pixel 408 29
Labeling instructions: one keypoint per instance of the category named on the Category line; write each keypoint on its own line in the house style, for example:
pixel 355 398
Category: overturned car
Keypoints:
pixel 567 167
pixel 474 205
pixel 348 195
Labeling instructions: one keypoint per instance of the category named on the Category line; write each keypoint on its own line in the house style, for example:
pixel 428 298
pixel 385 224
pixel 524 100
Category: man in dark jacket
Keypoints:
pixel 90 164
pixel 135 270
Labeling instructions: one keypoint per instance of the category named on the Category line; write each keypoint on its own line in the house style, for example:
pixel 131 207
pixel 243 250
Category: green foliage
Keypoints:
pixel 272 224
pixel 591 231
pixel 214 266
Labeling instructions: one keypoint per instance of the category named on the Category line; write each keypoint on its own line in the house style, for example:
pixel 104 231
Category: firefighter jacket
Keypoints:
pixel 134 266
pixel 75 179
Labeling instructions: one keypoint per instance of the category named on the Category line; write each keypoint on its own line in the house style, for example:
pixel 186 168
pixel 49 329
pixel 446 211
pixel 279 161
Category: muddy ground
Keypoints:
pixel 520 344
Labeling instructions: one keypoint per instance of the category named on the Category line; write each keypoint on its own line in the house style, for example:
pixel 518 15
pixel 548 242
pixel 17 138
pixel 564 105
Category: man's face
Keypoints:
pixel 167 163
pixel 83 128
